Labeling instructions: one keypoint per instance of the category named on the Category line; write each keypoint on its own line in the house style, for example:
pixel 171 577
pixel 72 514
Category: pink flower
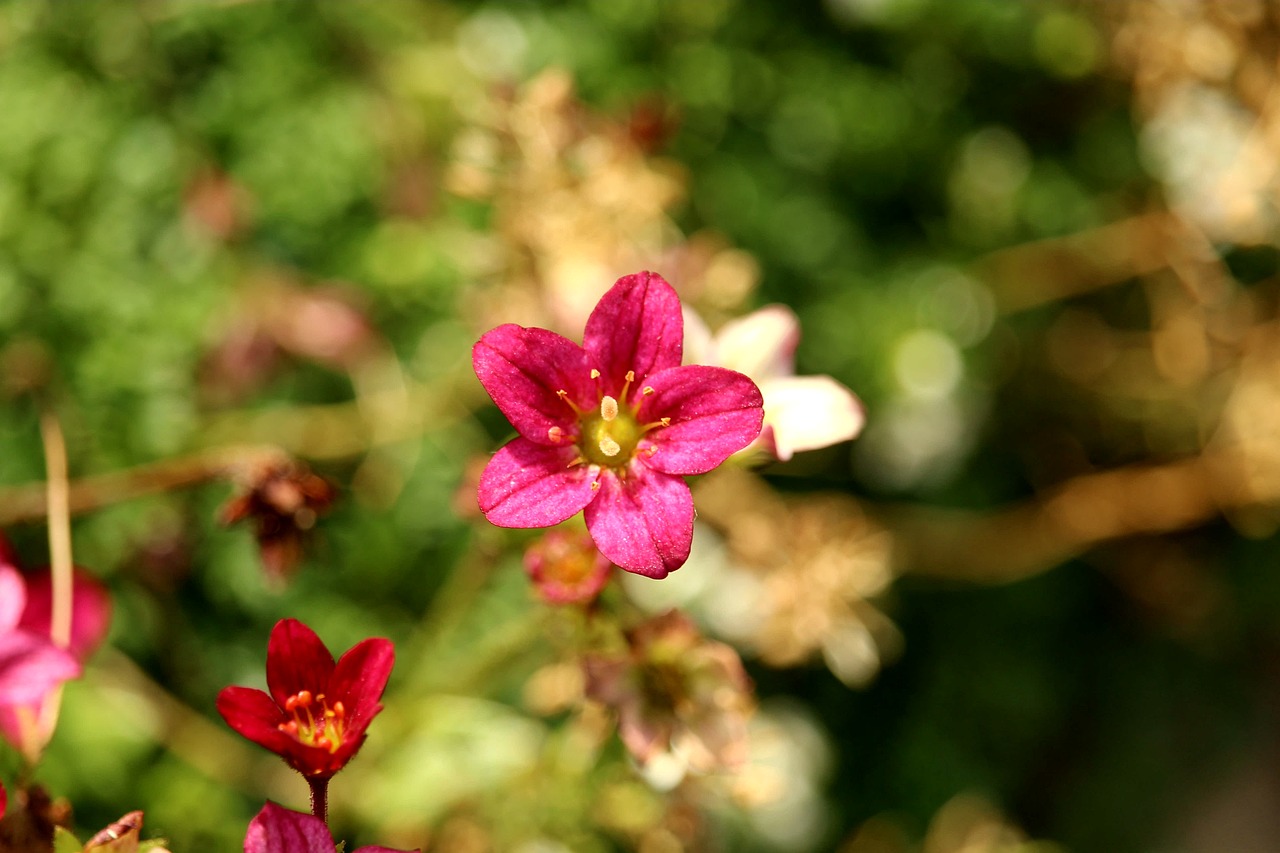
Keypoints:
pixel 276 829
pixel 611 427
pixel 801 412
pixel 31 666
pixel 317 712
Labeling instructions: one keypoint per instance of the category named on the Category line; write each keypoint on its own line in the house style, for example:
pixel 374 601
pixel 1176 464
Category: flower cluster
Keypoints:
pixel 611 427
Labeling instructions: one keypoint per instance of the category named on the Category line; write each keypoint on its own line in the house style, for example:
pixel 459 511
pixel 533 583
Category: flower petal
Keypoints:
pixel 13 597
pixel 643 523
pixel 256 716
pixel 714 413
pixel 761 344
pixel 90 610
pixel 523 368
pixel 296 660
pixel 809 412
pixel 359 679
pixel 529 485
pixel 636 326
pixel 279 830
pixel 31 666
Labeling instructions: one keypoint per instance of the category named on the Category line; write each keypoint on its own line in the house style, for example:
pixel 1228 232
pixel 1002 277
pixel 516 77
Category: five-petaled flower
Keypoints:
pixel 317 712
pixel 276 829
pixel 611 427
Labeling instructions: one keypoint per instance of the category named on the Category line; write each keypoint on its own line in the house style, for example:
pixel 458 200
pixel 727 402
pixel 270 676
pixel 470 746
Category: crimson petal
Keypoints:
pixel 523 369
pixel 297 660
pixel 636 325
pixel 359 679
pixel 644 523
pixel 714 413
pixel 255 716
pixel 13 597
pixel 529 485
pixel 276 829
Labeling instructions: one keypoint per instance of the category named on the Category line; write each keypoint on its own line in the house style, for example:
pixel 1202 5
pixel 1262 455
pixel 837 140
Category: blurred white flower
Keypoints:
pixel 800 412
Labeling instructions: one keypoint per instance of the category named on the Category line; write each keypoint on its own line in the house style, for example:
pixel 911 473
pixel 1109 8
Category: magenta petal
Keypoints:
pixel 90 610
pixel 13 597
pixel 714 413
pixel 297 660
pixel 637 325
pixel 31 666
pixel 279 830
pixel 529 485
pixel 644 523
pixel 522 369
pixel 360 678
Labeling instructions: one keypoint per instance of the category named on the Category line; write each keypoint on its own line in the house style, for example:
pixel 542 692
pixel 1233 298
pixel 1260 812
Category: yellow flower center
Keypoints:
pixel 314 722
pixel 610 435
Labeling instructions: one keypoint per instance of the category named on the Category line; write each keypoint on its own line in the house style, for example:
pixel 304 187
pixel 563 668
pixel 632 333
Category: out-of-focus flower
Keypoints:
pixel 4 800
pixel 31 666
pixel 804 571
pixel 612 426
pixel 276 829
pixel 566 567
pixel 675 692
pixel 284 500
pixel 800 412
pixel 317 711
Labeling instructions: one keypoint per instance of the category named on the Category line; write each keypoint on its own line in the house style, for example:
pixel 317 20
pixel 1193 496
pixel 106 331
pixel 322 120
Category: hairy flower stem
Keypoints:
pixel 319 797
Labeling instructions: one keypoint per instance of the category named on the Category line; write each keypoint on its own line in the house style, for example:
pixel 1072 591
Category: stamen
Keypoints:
pixel 595 485
pixel 609 447
pixel 648 389
pixel 631 376
pixel 555 434
pixel 564 395
pixel 595 374
pixel 608 409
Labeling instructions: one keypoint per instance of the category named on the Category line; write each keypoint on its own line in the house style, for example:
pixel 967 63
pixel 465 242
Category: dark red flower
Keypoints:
pixel 317 711
pixel 284 500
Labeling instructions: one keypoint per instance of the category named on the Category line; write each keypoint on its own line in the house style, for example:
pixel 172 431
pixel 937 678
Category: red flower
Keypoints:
pixel 611 427
pixel 317 711
pixel 276 829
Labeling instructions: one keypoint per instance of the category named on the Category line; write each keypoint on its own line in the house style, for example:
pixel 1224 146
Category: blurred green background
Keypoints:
pixel 1037 238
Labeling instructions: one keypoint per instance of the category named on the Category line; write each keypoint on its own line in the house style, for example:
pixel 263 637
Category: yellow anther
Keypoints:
pixel 648 389
pixel 631 376
pixel 608 409
pixel 665 421
pixel 595 374
pixel 595 484
pixel 555 434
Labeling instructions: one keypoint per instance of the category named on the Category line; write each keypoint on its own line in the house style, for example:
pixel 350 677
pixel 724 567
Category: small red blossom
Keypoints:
pixel 611 427
pixel 276 829
pixel 566 567
pixel 316 713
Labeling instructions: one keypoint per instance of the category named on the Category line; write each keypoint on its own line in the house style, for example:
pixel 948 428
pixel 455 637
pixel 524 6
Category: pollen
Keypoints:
pixel 608 409
pixel 609 447
pixel 313 721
